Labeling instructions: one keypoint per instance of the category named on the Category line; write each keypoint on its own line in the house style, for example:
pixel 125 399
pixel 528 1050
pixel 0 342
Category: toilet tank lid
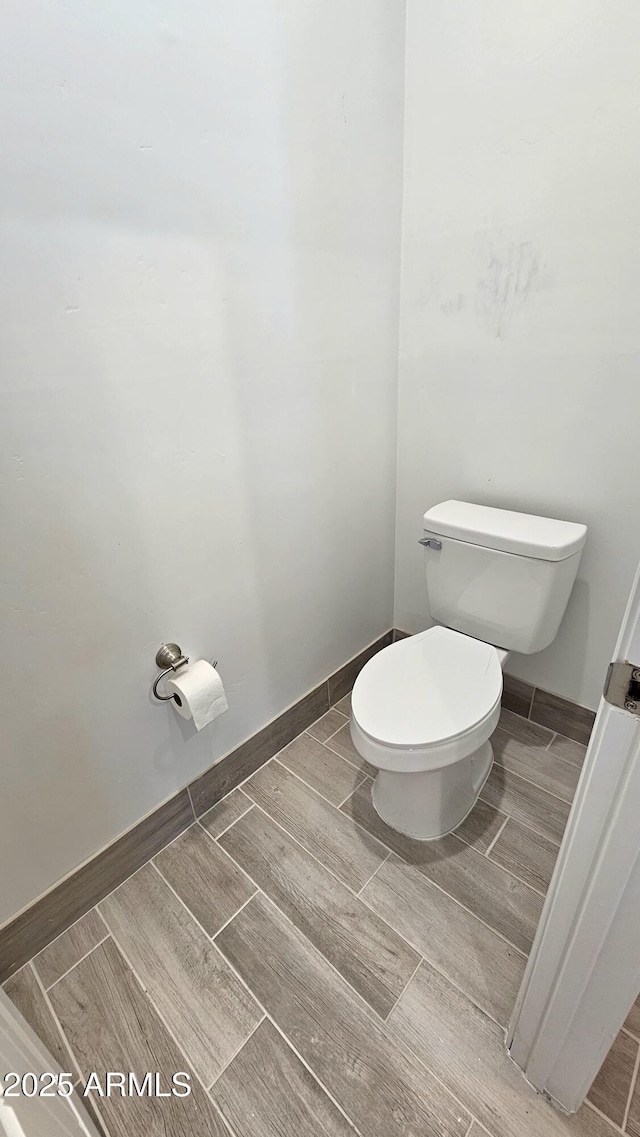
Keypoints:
pixel 522 533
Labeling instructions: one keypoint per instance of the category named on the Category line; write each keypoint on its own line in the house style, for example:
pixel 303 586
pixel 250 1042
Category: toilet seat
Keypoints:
pixel 427 700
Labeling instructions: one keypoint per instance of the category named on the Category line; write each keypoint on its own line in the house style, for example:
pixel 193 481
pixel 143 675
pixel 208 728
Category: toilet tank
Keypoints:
pixel 502 577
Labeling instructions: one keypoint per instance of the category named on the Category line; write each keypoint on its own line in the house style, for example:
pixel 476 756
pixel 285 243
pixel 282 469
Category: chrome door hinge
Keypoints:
pixel 622 687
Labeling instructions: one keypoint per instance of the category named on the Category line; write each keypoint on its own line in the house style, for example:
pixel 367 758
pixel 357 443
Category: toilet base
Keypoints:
pixel 431 804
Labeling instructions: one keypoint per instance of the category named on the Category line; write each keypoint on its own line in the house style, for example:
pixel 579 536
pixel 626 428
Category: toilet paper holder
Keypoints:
pixel 170 658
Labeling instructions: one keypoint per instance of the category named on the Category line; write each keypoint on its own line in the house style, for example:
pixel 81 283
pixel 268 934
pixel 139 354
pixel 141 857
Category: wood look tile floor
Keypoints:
pixel 317 973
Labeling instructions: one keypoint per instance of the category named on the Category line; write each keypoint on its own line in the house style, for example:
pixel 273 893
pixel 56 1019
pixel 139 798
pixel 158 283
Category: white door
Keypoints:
pixel 584 969
pixel 25 1116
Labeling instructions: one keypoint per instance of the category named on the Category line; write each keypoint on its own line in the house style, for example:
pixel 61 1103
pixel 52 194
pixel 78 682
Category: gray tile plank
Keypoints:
pixel 536 764
pixel 610 1090
pixel 516 695
pixel 508 905
pixel 379 1084
pixel 344 706
pixel 222 815
pixel 481 826
pixel 327 725
pixel 205 878
pixel 563 716
pixel 267 1092
pixel 322 830
pixel 524 730
pixel 526 854
pixel 375 960
pixel 321 768
pixel 217 782
pixel 68 901
pixel 632 1021
pixel 113 1026
pixel 466 1050
pixel 568 749
pixel 205 1006
pixel 342 743
pixel 70 947
pixel 633 1120
pixel 529 804
pixel 25 993
pixel 488 969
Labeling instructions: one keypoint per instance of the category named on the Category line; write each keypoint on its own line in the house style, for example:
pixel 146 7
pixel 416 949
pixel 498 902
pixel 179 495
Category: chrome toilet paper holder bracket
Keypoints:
pixel 170 658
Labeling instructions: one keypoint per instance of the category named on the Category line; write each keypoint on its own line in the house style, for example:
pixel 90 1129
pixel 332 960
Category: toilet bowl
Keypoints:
pixel 422 713
pixel 423 710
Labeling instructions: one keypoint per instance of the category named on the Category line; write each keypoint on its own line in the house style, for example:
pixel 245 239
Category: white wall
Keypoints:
pixel 520 336
pixel 199 310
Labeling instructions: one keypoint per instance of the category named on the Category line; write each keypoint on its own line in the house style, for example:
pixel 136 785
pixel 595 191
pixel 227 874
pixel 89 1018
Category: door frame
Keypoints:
pixel 583 973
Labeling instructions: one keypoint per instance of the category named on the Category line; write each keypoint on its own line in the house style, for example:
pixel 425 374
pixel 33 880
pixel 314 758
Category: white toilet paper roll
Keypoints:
pixel 199 693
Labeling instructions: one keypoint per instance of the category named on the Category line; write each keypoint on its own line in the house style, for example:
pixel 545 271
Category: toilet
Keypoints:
pixel 424 708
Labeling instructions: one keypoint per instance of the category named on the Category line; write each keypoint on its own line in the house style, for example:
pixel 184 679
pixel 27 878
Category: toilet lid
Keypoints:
pixel 427 689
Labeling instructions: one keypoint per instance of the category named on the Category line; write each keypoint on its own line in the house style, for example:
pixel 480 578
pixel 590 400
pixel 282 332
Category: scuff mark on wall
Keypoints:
pixel 509 277
pixel 453 304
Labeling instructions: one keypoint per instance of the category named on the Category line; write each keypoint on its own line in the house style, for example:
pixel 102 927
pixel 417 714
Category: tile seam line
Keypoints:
pixel 323 741
pixel 357 895
pixel 222 831
pixel 69 969
pixel 497 836
pixel 466 994
pixel 502 1029
pixel 537 785
pixel 381 1023
pixel 316 791
pixel 366 778
pixel 339 755
pixel 156 1010
pixel 221 848
pixel 361 890
pixel 188 789
pixel 494 861
pixel 525 824
pixel 33 958
pixel 632 1086
pixel 554 733
pixel 193 916
pixel 265 1012
pixel 54 1015
pixel 566 762
pixel 495 931
pixel 147 995
pixel 454 898
pixel 390 852
pixel 598 1112
pixel 238 1051
pixel 375 1015
pixel 367 832
pixel 337 808
pixel 533 695
pixel 265 896
pixel 392 1009
pixel 295 840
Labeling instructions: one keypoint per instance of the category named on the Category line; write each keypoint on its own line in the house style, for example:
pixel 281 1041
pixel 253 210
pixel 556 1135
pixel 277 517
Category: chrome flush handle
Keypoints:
pixel 430 542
